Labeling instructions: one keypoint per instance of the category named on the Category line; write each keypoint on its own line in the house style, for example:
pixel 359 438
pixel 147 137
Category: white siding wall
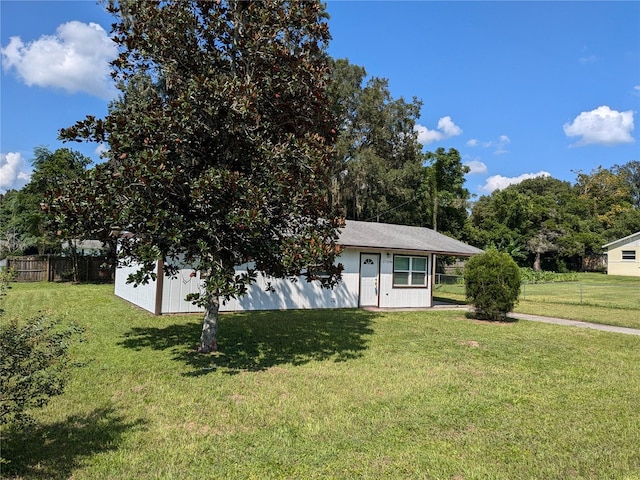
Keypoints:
pixel 287 294
pixel 391 297
pixel 175 290
pixel 144 296
pixel 301 294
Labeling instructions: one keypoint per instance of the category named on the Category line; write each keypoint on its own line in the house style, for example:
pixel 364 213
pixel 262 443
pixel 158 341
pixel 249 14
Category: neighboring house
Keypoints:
pixel 623 256
pixel 85 247
pixel 387 266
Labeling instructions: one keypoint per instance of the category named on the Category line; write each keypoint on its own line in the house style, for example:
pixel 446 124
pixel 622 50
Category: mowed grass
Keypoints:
pixel 336 394
pixel 594 297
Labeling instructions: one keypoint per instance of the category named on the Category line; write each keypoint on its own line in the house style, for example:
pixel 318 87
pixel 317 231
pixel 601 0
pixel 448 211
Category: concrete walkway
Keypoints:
pixel 575 323
pixel 553 320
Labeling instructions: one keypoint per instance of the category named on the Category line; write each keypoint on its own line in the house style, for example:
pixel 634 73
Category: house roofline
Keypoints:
pixel 633 236
pixel 417 250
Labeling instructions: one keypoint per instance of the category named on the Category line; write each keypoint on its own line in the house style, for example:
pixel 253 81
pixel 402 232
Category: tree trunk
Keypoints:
pixel 208 339
pixel 434 220
pixel 536 263
pixel 74 261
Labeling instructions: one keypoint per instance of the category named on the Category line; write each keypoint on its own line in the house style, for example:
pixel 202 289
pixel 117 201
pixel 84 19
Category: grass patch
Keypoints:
pixel 594 297
pixel 329 394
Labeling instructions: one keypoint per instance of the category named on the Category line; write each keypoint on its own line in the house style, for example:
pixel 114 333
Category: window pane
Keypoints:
pixel 417 278
pixel 420 264
pixel 401 278
pixel 628 254
pixel 401 263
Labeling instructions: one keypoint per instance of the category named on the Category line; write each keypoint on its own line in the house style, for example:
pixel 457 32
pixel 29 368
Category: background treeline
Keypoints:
pixel 549 224
pixel 381 173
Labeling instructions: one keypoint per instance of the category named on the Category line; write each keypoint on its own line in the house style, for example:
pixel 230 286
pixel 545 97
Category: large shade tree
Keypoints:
pixel 630 172
pixel 445 186
pixel 221 145
pixel 378 173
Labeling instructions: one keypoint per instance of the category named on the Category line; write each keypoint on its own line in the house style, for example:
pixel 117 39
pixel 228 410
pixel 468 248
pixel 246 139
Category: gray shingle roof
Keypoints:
pixel 402 237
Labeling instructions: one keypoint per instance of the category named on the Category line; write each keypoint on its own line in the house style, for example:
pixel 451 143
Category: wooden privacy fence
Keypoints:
pixel 54 268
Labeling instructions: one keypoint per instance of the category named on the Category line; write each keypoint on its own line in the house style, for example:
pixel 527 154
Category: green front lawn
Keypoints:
pixel 329 394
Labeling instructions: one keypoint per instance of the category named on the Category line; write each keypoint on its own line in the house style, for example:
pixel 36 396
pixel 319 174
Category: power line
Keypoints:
pixel 377 217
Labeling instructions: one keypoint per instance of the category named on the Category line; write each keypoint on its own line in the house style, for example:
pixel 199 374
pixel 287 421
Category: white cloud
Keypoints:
pixel 601 126
pixel 636 90
pixel 587 59
pixel 75 59
pixel 503 141
pixel 499 145
pixel 446 129
pixel 101 149
pixel 498 182
pixel 14 171
pixel 476 167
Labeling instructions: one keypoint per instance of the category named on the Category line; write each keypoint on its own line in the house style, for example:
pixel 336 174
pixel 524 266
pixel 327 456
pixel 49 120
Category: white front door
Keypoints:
pixel 369 279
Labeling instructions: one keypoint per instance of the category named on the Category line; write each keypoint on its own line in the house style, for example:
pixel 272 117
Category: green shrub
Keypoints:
pixel 33 366
pixel 6 276
pixel 492 284
pixel 530 275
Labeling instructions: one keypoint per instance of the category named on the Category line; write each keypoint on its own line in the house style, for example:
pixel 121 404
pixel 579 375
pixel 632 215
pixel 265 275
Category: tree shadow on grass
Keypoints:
pixel 254 341
pixel 55 450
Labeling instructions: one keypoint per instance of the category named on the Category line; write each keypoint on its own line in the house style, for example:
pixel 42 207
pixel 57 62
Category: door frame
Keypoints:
pixel 373 254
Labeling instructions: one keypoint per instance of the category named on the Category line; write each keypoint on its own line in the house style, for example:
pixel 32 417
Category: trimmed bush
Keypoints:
pixel 33 366
pixel 492 284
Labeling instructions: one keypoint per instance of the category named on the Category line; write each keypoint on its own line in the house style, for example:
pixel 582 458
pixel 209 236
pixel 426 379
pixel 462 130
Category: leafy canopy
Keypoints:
pixel 544 220
pixel 445 181
pixel 221 141
pixel 378 172
pixel 23 223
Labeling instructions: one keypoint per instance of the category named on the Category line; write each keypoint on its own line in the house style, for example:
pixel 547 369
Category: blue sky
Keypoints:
pixel 519 88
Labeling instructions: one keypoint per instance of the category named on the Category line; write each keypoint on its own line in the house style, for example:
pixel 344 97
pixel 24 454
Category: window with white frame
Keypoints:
pixel 409 271
pixel 628 254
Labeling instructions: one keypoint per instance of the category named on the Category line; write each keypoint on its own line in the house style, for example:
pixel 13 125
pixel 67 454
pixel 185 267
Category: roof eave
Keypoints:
pixel 413 249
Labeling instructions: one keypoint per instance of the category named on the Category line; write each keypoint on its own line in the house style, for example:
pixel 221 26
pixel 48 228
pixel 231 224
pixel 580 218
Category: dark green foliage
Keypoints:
pixel 630 172
pixel 378 172
pixel 492 282
pixel 5 277
pixel 546 223
pixel 220 145
pixel 224 156
pixel 445 187
pixel 23 225
pixel 33 366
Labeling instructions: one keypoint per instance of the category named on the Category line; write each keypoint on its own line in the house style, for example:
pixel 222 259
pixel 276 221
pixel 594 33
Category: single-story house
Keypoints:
pixel 385 265
pixel 623 256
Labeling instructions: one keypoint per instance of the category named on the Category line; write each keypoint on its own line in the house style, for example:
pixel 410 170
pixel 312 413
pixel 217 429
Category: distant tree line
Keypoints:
pixel 546 223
